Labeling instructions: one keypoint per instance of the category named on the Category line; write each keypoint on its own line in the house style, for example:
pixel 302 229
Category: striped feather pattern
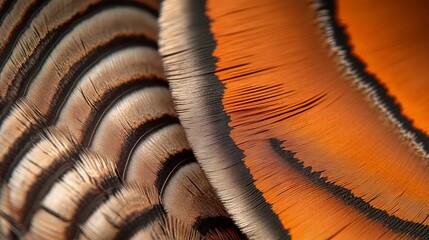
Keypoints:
pixel 90 143
pixel 213 119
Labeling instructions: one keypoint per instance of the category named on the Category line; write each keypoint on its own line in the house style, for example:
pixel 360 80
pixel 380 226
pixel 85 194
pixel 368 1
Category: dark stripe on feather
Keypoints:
pixel 389 102
pixel 394 223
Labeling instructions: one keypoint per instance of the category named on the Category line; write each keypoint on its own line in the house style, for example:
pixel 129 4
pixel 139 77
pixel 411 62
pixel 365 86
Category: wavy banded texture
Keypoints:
pixel 301 114
pixel 90 143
